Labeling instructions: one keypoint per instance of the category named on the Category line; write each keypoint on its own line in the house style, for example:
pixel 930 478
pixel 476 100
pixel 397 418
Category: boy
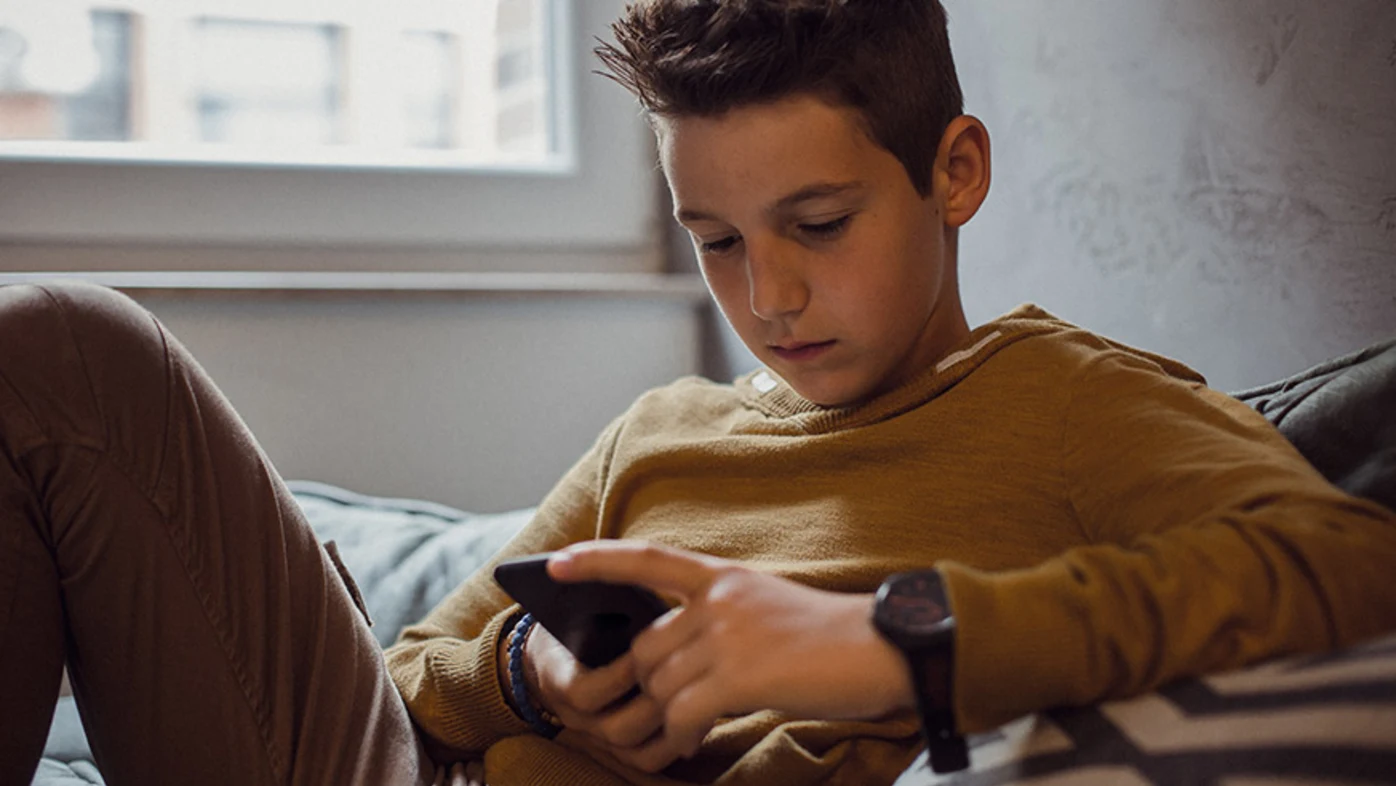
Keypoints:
pixel 1098 521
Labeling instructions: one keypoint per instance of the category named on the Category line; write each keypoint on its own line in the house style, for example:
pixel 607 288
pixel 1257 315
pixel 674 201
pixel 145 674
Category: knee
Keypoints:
pixel 76 331
pixel 75 306
pixel 69 310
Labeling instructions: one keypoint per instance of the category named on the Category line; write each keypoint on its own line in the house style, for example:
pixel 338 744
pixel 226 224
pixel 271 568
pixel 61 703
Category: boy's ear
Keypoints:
pixel 963 169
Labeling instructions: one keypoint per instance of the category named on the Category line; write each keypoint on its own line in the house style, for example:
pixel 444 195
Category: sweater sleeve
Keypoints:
pixel 446 666
pixel 1212 543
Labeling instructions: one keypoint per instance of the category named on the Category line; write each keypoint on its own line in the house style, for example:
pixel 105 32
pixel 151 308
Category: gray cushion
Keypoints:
pixel 52 772
pixel 1342 416
pixel 405 555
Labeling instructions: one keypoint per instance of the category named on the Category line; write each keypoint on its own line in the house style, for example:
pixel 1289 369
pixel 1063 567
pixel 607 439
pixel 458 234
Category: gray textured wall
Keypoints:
pixel 1212 179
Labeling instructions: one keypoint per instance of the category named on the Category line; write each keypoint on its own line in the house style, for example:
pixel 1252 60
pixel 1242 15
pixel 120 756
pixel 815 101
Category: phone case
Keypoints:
pixel 595 621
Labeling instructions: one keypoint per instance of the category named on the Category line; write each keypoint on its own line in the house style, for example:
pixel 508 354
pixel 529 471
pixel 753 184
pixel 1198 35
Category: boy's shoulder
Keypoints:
pixel 1035 338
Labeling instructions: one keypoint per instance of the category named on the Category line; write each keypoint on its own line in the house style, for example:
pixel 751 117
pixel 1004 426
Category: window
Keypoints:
pixel 431 100
pixel 440 123
pixel 349 82
pixel 81 95
pixel 260 84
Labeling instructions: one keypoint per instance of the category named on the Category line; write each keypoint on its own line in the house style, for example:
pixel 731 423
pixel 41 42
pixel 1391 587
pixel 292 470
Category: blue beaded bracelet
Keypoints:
pixel 519 687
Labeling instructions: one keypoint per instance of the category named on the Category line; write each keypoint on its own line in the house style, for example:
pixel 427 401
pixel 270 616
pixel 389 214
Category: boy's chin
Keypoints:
pixel 833 385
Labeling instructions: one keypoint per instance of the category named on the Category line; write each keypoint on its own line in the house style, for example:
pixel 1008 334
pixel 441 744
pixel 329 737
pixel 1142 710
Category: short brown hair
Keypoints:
pixel 887 59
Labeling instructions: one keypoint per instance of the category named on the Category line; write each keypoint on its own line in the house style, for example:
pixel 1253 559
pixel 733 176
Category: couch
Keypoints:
pixel 1329 718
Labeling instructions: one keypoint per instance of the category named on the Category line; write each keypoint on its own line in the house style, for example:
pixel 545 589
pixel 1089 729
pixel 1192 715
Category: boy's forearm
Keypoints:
pixel 1213 543
pixel 1111 621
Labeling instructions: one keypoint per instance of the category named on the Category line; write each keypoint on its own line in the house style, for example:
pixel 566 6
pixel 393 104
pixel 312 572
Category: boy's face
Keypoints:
pixel 829 265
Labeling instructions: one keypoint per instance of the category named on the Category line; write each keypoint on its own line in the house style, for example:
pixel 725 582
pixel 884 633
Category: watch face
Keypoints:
pixel 914 603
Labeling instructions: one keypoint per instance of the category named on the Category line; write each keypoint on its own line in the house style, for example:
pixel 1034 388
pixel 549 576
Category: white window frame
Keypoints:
pixel 598 193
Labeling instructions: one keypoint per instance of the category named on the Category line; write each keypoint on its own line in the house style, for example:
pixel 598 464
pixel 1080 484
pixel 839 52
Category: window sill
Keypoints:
pixel 647 286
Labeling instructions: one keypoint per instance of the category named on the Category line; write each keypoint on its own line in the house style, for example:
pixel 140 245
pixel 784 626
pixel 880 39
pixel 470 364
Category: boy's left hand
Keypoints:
pixel 744 641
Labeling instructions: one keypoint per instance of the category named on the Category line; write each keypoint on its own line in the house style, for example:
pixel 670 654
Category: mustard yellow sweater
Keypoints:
pixel 1104 521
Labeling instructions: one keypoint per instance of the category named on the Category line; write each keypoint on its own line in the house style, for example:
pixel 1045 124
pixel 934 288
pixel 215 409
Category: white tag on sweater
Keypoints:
pixel 763 383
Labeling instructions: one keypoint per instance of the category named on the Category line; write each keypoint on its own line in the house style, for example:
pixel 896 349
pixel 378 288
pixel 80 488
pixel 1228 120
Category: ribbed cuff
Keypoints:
pixel 473 705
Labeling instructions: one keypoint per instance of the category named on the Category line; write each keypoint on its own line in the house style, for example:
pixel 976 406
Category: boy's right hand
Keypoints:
pixel 589 701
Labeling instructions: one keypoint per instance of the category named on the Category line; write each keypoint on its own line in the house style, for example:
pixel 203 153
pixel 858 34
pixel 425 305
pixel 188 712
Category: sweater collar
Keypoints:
pixel 765 391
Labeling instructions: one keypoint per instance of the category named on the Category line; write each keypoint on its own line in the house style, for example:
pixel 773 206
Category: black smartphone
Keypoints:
pixel 594 620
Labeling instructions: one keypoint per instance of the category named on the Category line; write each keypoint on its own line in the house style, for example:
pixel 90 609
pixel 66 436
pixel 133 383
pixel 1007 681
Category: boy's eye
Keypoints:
pixel 718 246
pixel 827 229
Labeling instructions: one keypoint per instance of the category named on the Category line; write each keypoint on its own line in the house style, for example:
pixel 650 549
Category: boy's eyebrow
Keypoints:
pixel 812 191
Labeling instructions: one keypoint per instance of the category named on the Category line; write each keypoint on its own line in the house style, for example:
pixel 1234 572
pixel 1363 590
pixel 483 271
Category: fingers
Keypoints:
pixel 631 724
pixel 651 565
pixel 567 687
pixel 592 691
pixel 665 636
pixel 684 666
pixel 686 724
pixel 690 715
pixel 593 701
pixel 650 734
pixel 652 756
pixel 622 728
pixel 672 658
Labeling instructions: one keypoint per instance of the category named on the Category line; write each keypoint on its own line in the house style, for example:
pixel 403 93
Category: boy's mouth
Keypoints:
pixel 799 351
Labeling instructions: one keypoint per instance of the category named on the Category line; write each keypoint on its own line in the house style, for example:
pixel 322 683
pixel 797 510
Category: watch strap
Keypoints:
pixel 932 665
pixel 933 678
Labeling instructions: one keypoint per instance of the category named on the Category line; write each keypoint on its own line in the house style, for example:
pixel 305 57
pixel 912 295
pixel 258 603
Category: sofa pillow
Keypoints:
pixel 405 555
pixel 1342 416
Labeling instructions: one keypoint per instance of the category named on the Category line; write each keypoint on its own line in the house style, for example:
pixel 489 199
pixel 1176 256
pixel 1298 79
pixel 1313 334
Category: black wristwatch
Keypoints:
pixel 913 612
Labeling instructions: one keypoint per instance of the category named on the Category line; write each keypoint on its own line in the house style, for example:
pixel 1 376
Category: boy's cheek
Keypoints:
pixel 730 293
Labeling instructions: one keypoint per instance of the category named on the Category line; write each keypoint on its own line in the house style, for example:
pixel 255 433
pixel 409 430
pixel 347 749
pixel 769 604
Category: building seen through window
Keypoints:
pixel 455 82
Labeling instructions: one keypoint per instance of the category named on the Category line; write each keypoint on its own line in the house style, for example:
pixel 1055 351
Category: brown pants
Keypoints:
pixel 146 538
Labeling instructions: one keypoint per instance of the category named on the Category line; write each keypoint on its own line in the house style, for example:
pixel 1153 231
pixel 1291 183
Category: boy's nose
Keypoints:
pixel 777 285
